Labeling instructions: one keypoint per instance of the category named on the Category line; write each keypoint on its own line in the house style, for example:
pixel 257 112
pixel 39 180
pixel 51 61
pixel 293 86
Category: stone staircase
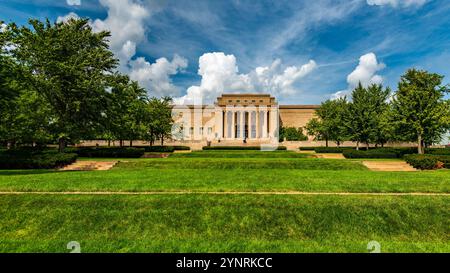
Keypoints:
pixel 389 166
pixel 90 166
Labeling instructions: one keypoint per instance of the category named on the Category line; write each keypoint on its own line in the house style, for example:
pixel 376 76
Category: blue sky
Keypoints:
pixel 303 52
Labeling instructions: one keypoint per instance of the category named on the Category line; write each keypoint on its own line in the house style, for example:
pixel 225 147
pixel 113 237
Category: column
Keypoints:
pixel 218 126
pixel 233 124
pixel 241 124
pixel 249 124
pixel 264 127
pixel 257 123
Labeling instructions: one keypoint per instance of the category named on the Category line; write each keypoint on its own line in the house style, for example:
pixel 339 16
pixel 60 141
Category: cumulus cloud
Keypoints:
pixel 220 74
pixel 156 77
pixel 65 18
pixel 365 73
pixel 125 21
pixel 73 2
pixel 397 3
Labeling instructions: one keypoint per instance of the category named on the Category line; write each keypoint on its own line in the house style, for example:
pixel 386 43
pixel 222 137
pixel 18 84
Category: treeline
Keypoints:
pixel 59 84
pixel 416 112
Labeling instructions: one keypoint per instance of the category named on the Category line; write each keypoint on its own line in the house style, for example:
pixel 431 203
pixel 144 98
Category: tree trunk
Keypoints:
pixel 162 141
pixel 419 142
pixel 121 143
pixel 367 146
pixel 357 145
pixel 109 143
pixel 61 144
pixel 131 143
pixel 326 142
pixel 338 143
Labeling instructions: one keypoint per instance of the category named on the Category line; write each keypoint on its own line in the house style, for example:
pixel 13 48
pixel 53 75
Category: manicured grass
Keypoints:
pixel 149 179
pixel 244 163
pixel 225 223
pixel 204 223
pixel 240 154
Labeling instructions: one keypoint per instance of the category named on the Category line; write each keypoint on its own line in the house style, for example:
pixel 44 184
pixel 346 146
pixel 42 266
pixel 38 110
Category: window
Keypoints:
pixel 238 101
pixel 209 130
pixel 253 100
pixel 230 101
pixel 260 100
pixel 191 131
pixel 200 131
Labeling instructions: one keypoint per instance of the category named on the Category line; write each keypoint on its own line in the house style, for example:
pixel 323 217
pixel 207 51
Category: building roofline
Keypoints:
pixel 293 106
pixel 246 95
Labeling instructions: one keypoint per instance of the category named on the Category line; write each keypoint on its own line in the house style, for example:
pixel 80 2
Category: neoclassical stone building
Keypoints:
pixel 238 117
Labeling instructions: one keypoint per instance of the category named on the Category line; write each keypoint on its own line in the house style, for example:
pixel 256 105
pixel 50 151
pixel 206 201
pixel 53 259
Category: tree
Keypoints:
pixel 292 134
pixel 124 117
pixel 419 107
pixel 365 112
pixel 70 66
pixel 160 121
pixel 329 125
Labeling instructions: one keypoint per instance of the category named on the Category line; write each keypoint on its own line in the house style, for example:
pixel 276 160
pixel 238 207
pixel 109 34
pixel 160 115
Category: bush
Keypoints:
pixel 334 150
pixel 240 148
pixel 423 162
pixel 159 149
pixel 182 148
pixel 113 152
pixel 306 148
pixel 438 151
pixel 35 160
pixel 369 154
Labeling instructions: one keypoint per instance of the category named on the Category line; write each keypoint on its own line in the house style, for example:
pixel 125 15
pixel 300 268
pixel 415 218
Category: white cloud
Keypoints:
pixel 3 27
pixel 73 2
pixel 220 74
pixel 125 21
pixel 156 77
pixel 67 17
pixel 397 3
pixel 364 73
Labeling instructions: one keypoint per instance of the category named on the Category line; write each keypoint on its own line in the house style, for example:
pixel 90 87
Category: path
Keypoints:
pixel 228 193
pixel 389 166
pixel 90 166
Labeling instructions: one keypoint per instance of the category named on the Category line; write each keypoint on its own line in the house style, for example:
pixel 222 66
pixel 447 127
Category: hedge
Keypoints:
pixel 334 150
pixel 240 148
pixel 159 149
pixel 427 162
pixel 438 151
pixel 108 152
pixel 35 160
pixel 306 148
pixel 369 154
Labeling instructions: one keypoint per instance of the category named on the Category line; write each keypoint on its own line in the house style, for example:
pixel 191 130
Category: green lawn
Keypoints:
pixel 201 223
pixel 226 223
pixel 240 154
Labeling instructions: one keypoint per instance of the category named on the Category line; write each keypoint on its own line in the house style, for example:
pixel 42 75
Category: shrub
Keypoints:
pixel 369 154
pixel 292 134
pixel 159 149
pixel 240 148
pixel 325 150
pixel 115 152
pixel 423 162
pixel 438 151
pixel 35 160
pixel 307 148
pixel 182 148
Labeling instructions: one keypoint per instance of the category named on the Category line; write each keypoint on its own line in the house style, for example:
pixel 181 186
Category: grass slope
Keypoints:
pixel 148 179
pixel 200 223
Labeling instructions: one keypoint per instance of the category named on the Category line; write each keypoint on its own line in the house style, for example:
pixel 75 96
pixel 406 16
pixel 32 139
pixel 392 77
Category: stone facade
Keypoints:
pixel 238 117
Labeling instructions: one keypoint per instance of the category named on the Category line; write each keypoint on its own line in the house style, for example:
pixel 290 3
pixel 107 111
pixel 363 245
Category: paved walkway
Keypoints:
pixel 389 166
pixel 330 156
pixel 227 193
pixel 90 166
